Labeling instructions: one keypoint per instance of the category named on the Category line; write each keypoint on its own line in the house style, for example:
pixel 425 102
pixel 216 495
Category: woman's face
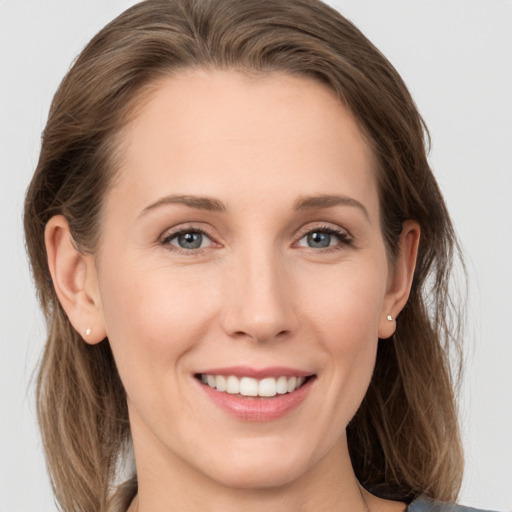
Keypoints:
pixel 241 246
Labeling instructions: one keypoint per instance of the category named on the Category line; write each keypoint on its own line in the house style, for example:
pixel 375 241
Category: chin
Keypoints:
pixel 259 478
pixel 264 469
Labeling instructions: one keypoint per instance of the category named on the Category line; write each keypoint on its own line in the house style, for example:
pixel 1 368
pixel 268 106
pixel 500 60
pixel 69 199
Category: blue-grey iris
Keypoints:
pixel 190 240
pixel 319 239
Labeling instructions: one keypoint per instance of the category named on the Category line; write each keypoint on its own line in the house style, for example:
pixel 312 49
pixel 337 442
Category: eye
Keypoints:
pixel 323 238
pixel 188 240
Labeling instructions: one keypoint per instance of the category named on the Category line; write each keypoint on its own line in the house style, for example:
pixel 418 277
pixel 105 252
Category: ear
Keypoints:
pixel 75 280
pixel 400 279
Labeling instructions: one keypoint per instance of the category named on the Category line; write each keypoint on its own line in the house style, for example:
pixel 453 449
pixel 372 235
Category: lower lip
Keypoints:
pixel 256 408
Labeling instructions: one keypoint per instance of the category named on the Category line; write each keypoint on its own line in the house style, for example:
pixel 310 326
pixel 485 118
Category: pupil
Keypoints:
pixel 319 239
pixel 190 240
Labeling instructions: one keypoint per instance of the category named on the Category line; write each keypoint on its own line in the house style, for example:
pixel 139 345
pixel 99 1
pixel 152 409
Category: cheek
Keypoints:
pixel 344 308
pixel 153 317
pixel 347 302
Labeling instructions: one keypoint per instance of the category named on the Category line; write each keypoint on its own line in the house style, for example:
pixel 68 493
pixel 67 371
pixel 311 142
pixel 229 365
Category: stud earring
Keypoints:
pixel 390 318
pixel 88 331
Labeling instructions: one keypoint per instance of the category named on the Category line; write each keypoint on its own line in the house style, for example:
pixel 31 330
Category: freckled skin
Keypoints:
pixel 255 293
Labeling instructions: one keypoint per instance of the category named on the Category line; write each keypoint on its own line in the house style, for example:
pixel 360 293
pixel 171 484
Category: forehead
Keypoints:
pixel 205 131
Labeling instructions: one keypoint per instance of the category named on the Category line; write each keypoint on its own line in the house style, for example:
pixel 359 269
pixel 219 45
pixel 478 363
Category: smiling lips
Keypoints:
pixel 248 386
pixel 256 395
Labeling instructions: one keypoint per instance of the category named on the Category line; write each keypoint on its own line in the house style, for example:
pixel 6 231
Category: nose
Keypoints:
pixel 259 301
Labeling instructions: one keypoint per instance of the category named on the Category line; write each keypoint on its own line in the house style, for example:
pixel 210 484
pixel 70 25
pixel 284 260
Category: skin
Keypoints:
pixel 255 293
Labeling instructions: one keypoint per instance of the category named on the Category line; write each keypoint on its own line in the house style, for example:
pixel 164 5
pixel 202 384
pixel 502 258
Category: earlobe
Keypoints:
pixel 75 281
pixel 400 282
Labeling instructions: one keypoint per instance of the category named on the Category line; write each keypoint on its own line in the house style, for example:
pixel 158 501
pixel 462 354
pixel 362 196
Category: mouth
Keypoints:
pixel 250 387
pixel 256 395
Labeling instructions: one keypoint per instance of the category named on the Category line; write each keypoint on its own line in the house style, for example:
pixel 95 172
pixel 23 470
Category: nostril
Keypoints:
pixel 261 335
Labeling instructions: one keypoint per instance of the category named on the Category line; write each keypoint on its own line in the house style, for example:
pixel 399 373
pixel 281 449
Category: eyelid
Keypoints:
pixel 171 233
pixel 324 226
pixel 345 238
pixel 343 234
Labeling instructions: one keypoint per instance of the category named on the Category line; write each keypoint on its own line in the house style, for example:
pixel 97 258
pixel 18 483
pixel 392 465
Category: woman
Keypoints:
pixel 243 257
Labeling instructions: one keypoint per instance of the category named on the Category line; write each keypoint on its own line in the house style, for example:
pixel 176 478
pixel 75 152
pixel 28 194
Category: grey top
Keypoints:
pixel 426 505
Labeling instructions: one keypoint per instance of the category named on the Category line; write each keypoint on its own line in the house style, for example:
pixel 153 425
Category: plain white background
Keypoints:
pixel 455 56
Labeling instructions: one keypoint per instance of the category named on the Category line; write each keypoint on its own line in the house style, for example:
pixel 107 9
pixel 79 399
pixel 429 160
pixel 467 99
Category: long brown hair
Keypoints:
pixel 404 439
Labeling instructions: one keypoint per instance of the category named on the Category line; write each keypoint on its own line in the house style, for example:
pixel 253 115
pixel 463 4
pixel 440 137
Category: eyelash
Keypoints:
pixel 166 240
pixel 344 239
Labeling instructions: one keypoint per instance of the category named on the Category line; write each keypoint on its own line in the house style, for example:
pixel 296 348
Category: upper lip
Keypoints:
pixel 257 373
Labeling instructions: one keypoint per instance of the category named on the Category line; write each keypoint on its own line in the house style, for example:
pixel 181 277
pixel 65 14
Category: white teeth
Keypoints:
pixel 292 382
pixel 282 385
pixel 247 386
pixel 267 387
pixel 232 385
pixel 221 383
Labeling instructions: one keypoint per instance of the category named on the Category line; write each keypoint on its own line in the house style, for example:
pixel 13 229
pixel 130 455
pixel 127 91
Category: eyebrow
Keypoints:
pixel 211 204
pixel 319 202
pixel 197 202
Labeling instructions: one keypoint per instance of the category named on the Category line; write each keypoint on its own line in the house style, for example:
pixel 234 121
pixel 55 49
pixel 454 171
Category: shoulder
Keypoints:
pixel 426 505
